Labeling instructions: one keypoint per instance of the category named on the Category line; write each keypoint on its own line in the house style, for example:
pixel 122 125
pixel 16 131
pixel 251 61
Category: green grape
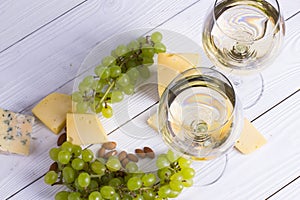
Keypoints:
pixel 160 48
pixel 87 155
pixel 173 194
pixel 162 161
pixel 133 74
pixel 82 107
pixel 156 37
pixel 108 60
pixel 106 178
pixel 113 164
pixel 142 40
pixel 172 157
pixel 113 53
pixel 95 196
pixel 107 192
pixel 188 172
pixel 138 197
pixel 148 61
pixel 131 167
pixel 76 150
pixel 187 182
pixel 77 164
pixel 62 195
pixel 164 173
pixel 117 96
pixel 53 153
pixel 88 80
pixel 115 71
pixel 115 182
pixel 148 179
pixel 50 177
pixel 64 157
pixel 116 197
pixel 98 167
pixel 102 71
pixel 134 183
pixel 99 86
pixel 74 196
pixel 77 97
pixel 84 179
pixel 147 51
pixel 77 186
pixel 129 89
pixel 164 191
pixel 83 87
pixel 176 185
pixel 126 197
pixel 149 195
pixel 177 176
pixel 144 71
pixel 131 63
pixel 107 111
pixel 68 174
pixel 123 80
pixel 121 50
pixel 93 185
pixel 67 146
pixel 133 45
pixel 183 163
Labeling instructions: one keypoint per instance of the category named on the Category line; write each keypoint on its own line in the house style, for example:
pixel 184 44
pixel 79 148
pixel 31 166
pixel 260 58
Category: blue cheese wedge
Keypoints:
pixel 84 129
pixel 15 132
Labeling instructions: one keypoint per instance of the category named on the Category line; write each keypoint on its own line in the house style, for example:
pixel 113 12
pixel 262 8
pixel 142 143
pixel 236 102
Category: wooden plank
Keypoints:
pixel 19 19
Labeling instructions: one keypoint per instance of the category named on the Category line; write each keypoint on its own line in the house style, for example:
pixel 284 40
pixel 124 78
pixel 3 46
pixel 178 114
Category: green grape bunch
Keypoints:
pixel 117 75
pixel 88 177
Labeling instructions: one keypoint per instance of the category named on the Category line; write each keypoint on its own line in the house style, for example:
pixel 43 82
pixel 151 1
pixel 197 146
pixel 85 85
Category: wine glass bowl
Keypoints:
pixel 199 114
pixel 243 35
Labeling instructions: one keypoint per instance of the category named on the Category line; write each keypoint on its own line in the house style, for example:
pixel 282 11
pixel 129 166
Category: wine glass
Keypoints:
pixel 242 37
pixel 199 116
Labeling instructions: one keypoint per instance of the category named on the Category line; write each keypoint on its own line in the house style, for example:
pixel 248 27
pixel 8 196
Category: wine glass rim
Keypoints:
pixel 234 103
pixel 276 24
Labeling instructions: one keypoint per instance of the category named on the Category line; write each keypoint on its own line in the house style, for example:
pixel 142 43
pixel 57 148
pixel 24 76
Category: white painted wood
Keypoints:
pixel 51 57
pixel 20 18
pixel 290 192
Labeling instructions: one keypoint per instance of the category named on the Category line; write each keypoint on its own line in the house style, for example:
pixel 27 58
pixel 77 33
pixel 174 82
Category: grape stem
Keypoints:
pixel 106 93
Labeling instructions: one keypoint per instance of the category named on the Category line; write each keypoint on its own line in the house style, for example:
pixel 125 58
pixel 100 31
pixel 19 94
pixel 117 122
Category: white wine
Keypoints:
pixel 200 116
pixel 243 35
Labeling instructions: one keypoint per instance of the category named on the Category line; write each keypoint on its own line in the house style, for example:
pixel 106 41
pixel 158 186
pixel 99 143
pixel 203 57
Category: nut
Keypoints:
pixel 110 153
pixel 149 152
pixel 132 157
pixel 140 153
pixel 109 145
pixel 101 152
pixel 124 162
pixel 61 139
pixel 122 155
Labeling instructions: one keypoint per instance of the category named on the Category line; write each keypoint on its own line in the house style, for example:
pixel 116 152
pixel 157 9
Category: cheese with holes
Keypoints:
pixel 15 132
pixel 84 129
pixel 250 139
pixel 52 111
pixel 170 65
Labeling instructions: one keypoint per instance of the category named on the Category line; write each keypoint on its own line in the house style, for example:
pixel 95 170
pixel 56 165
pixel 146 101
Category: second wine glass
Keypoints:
pixel 243 37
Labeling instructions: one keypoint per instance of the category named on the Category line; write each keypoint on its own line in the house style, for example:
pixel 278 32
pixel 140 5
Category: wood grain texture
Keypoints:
pixel 19 19
pixel 290 192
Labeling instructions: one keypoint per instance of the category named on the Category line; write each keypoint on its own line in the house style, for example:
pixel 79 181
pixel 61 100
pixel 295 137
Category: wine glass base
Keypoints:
pixel 249 88
pixel 209 172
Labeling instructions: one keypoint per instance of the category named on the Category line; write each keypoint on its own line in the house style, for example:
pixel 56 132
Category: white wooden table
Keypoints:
pixel 42 44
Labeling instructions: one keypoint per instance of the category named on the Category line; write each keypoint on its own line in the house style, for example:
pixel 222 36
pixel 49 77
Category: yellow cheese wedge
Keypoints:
pixel 170 65
pixel 52 111
pixel 15 130
pixel 84 129
pixel 250 139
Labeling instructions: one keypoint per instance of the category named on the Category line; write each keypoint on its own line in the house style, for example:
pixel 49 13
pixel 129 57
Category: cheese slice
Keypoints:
pixel 52 111
pixel 249 140
pixel 15 132
pixel 84 129
pixel 170 65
